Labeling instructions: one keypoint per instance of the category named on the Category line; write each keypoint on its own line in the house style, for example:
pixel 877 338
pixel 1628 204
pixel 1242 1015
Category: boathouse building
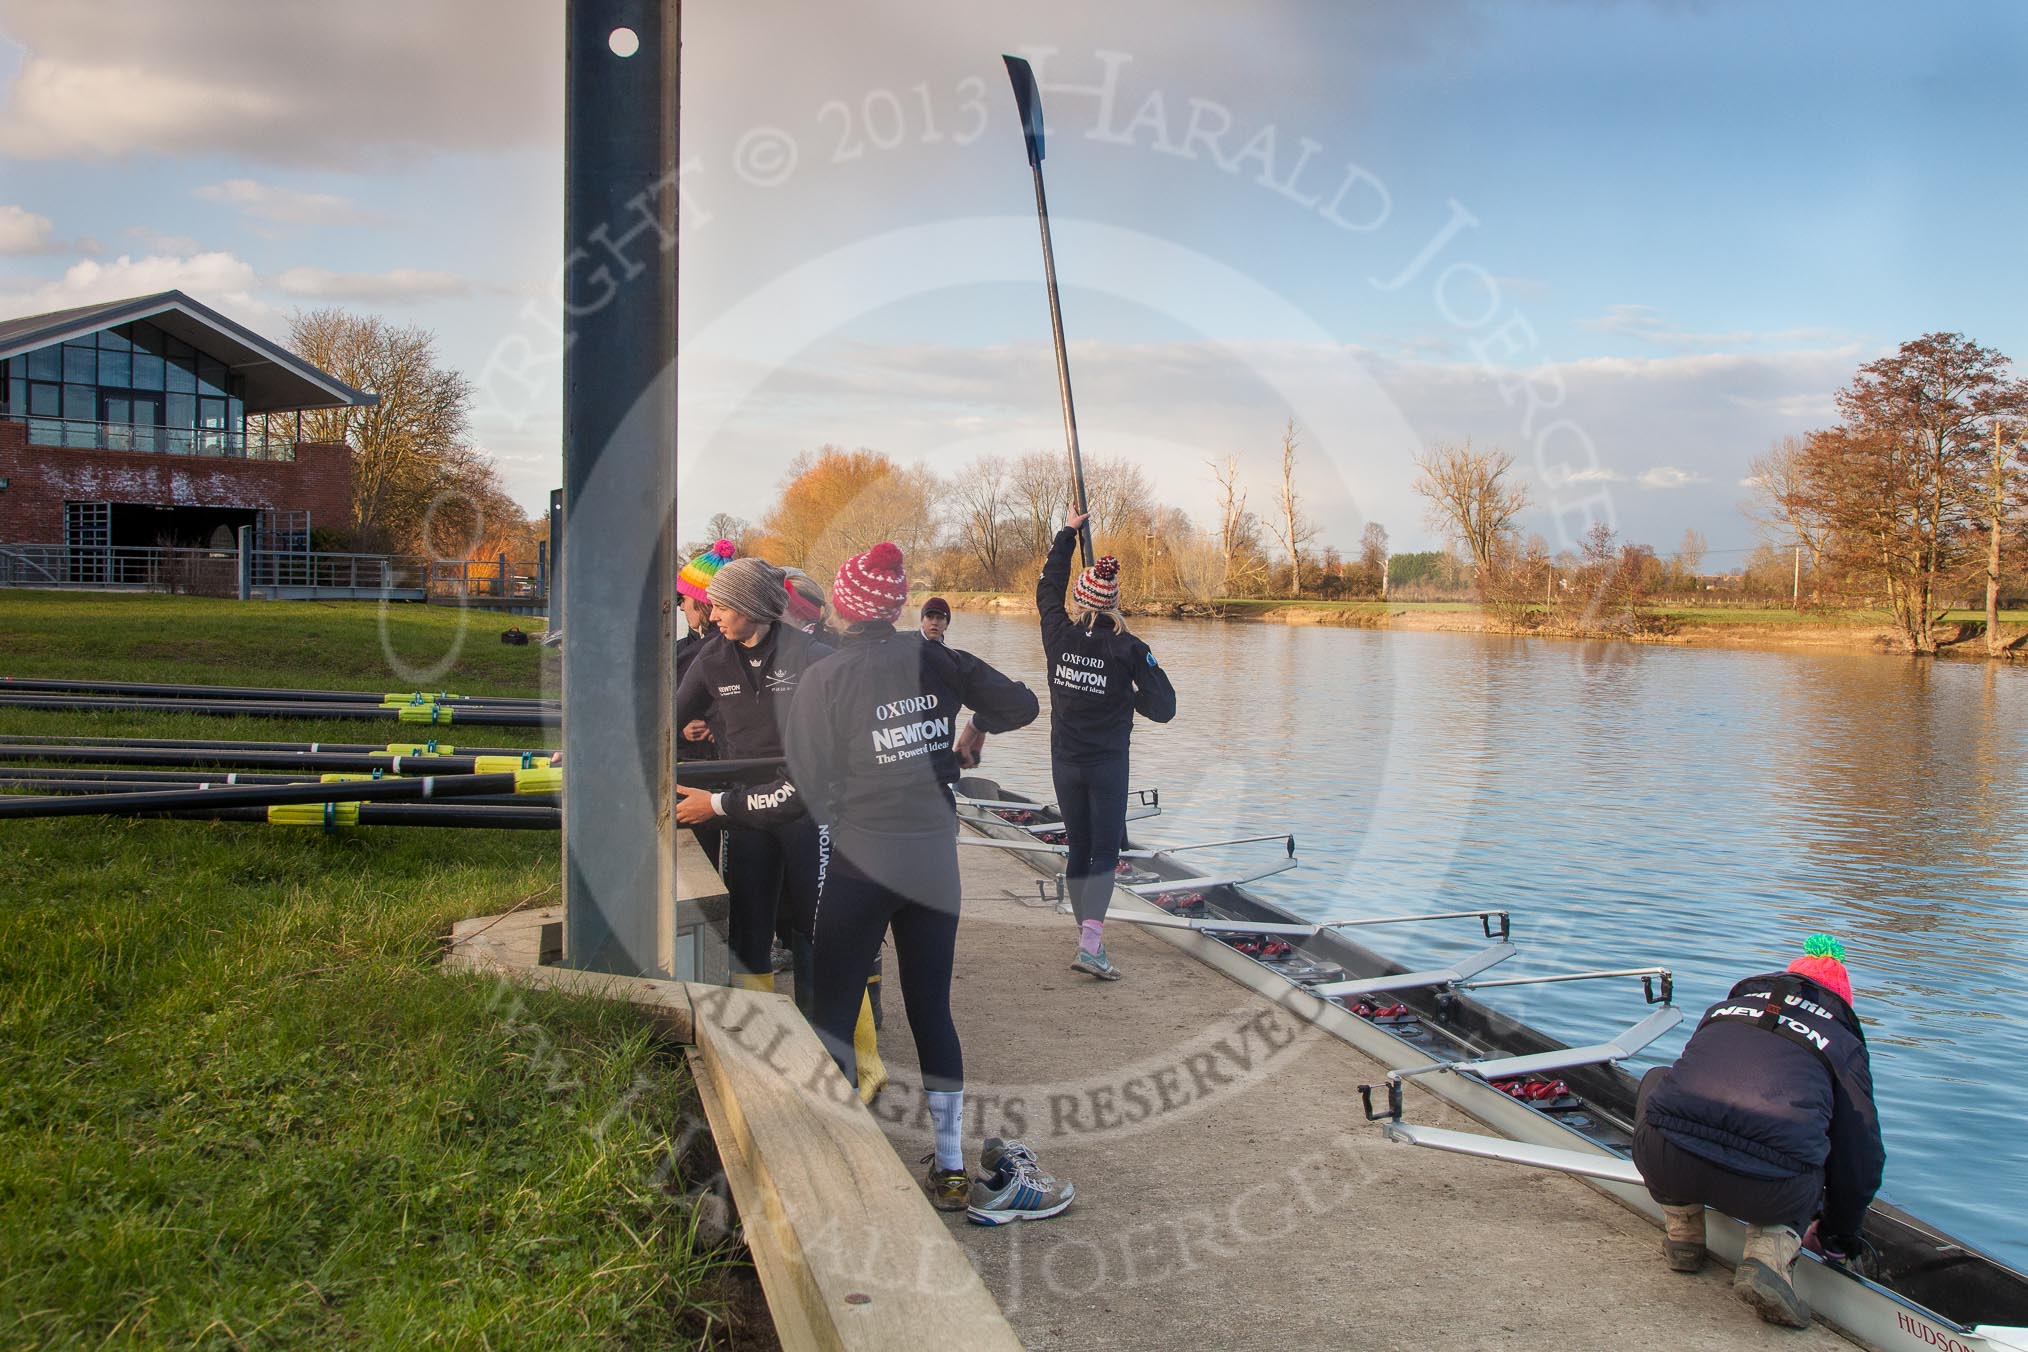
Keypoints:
pixel 157 421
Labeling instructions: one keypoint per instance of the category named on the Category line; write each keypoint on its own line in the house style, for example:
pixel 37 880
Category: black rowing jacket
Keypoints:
pixel 1099 678
pixel 870 732
pixel 687 649
pixel 1776 1082
pixel 744 693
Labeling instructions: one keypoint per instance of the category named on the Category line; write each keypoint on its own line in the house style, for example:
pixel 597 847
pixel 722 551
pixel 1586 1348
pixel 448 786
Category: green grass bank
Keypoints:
pixel 239 1105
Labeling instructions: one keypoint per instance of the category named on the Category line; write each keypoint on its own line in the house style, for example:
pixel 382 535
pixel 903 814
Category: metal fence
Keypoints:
pixel 488 579
pixel 226 443
pixel 210 572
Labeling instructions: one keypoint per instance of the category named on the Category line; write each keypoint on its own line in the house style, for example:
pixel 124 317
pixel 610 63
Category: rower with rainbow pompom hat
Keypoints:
pixel 694 581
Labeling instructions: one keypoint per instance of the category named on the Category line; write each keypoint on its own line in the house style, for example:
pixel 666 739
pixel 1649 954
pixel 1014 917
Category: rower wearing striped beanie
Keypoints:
pixel 695 579
pixel 1098 587
pixel 871 587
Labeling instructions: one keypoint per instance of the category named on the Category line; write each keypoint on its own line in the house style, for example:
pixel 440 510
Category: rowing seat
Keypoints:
pixel 1461 970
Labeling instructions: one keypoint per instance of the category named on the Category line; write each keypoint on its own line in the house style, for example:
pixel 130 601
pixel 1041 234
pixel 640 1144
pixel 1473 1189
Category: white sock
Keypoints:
pixel 947 1110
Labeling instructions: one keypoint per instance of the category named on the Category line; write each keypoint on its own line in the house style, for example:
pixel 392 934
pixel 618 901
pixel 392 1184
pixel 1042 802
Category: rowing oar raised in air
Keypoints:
pixel 1028 102
pixel 146 689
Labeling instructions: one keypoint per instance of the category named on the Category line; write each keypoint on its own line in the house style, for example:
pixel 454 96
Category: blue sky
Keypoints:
pixel 1675 229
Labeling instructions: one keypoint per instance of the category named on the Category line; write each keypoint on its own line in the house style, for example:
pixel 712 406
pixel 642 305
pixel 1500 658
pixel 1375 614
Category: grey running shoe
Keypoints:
pixel 1095 964
pixel 1017 1189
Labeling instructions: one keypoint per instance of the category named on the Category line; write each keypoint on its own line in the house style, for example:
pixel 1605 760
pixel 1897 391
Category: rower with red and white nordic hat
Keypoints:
pixel 1100 676
pixel 1767 1116
pixel 873 744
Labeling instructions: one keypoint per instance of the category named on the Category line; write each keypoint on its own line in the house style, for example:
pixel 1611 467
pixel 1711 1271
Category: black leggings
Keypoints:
pixel 1093 801
pixel 872 882
pixel 1679 1177
pixel 761 869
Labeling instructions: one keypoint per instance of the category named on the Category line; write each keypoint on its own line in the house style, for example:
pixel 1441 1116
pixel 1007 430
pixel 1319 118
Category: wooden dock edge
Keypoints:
pixel 850 1253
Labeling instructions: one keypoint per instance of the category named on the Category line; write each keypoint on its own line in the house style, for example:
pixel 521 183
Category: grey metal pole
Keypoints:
pixel 621 86
pixel 246 563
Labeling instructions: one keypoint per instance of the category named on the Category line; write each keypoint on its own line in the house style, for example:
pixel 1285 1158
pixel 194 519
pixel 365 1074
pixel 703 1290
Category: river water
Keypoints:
pixel 1700 809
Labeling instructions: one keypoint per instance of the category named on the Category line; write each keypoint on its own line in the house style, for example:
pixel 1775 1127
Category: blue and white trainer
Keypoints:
pixel 1015 1189
pixel 1095 964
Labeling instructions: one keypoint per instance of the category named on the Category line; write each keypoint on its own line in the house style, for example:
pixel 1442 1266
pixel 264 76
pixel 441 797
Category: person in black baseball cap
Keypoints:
pixel 936 619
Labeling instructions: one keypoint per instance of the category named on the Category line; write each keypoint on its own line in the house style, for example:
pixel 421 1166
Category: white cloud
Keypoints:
pixel 154 241
pixel 1668 476
pixel 218 279
pixel 395 284
pixel 23 232
pixel 268 202
pixel 1597 474
pixel 1646 324
pixel 342 85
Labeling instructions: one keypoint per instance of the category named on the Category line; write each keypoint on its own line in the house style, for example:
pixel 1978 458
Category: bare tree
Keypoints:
pixel 1471 498
pixel 726 526
pixel 1373 555
pixel 985 516
pixel 1238 528
pixel 412 461
pixel 1290 526
pixel 1787 509
pixel 1038 492
pixel 2001 500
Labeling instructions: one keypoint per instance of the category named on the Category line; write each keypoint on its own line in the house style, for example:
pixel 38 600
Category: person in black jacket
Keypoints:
pixel 1768 1116
pixel 738 686
pixel 1100 676
pixel 873 747
pixel 695 602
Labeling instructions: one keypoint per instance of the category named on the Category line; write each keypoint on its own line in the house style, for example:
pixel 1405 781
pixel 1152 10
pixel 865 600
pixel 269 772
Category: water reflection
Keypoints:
pixel 1703 809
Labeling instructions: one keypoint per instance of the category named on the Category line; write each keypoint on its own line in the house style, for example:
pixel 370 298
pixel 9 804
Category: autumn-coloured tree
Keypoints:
pixel 1897 482
pixel 835 503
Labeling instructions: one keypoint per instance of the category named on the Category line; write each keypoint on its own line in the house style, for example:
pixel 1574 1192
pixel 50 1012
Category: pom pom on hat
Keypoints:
pixel 1098 586
pixel 1823 962
pixel 871 586
pixel 694 581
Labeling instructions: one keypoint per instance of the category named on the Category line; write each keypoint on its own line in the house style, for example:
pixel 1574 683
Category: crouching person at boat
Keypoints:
pixel 1768 1116
pixel 1100 676
pixel 870 744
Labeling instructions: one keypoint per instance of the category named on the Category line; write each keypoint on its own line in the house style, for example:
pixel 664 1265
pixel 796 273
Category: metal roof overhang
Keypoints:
pixel 277 380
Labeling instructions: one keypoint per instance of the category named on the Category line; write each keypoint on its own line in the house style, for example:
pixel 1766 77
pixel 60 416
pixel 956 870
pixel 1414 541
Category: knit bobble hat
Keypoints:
pixel 1823 962
pixel 695 579
pixel 806 598
pixel 754 588
pixel 1098 587
pixel 871 586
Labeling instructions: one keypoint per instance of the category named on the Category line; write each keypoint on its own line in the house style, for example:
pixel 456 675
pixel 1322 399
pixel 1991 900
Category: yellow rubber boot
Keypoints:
pixel 754 981
pixel 866 1051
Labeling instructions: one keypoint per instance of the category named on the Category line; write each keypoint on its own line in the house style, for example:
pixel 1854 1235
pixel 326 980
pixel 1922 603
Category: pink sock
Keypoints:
pixel 1089 933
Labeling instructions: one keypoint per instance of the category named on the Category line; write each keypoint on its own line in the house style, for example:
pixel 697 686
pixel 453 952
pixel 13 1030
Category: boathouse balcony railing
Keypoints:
pixel 219 442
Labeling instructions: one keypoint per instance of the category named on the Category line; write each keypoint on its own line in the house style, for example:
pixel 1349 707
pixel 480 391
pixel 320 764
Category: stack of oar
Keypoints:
pixel 436 709
pixel 316 784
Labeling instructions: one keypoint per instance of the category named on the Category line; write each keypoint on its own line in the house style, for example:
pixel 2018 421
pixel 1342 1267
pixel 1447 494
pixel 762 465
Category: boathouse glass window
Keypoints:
pixel 130 388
